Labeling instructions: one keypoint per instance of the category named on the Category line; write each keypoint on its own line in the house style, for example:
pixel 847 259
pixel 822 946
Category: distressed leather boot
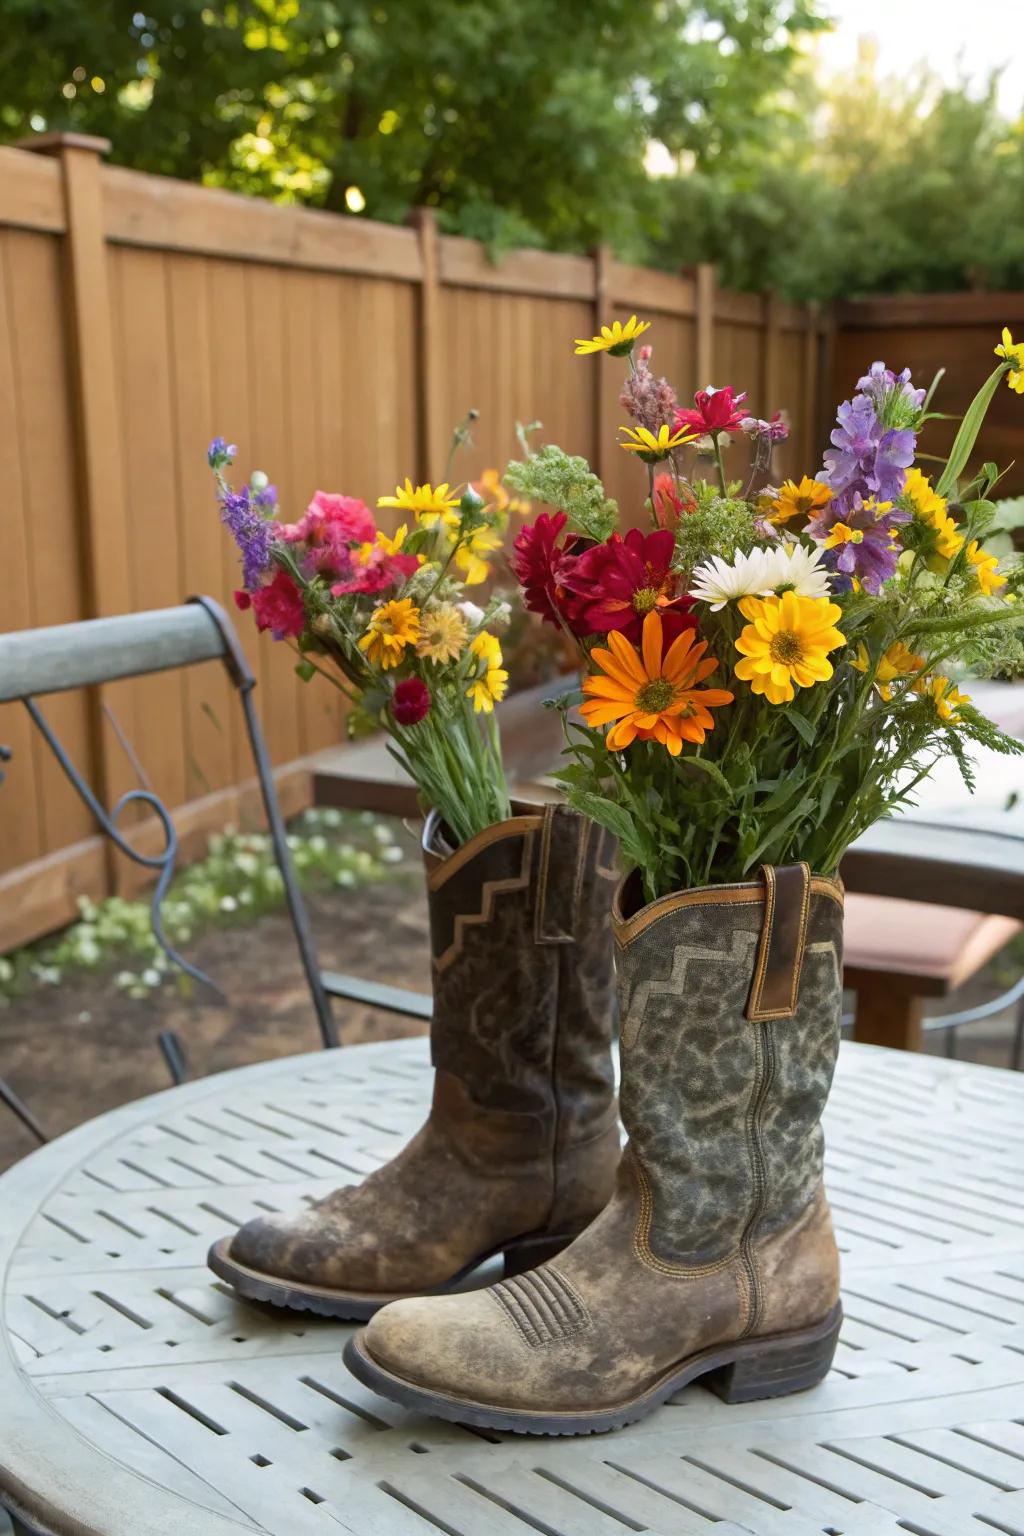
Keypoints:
pixel 715 1258
pixel 521 1145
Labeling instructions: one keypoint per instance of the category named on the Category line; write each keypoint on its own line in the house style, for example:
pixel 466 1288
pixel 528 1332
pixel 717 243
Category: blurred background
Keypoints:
pixel 328 229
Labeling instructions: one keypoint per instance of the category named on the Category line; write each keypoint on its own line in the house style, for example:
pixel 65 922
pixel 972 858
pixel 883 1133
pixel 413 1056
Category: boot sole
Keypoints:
pixel 359 1306
pixel 741 1372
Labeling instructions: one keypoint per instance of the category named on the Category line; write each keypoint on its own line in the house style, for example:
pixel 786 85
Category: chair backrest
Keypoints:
pixel 38 662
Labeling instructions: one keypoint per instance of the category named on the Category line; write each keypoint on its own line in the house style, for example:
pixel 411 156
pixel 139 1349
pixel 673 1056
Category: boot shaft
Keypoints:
pixel 730 1000
pixel 523 969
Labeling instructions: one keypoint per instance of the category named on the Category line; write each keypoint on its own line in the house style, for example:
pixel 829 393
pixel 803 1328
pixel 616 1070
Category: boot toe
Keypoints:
pixel 454 1345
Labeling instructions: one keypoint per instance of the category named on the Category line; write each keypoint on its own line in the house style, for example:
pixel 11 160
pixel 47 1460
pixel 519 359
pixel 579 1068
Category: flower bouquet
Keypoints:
pixel 384 619
pixel 770 668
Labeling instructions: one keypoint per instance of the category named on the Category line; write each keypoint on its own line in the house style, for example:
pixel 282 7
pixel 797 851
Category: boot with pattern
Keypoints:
pixel 521 1146
pixel 715 1257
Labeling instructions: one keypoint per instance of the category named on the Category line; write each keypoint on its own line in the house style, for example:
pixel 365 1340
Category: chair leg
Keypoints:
pixel 20 1109
pixel 173 1052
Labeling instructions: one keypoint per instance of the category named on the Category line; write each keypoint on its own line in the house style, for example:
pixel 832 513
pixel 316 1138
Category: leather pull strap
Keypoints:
pixel 780 953
pixel 562 861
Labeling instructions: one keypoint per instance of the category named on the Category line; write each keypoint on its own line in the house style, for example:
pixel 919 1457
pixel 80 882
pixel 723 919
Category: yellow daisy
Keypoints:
pixel 471 555
pixel 932 509
pixel 786 643
pixel 946 698
pixel 428 503
pixel 1013 352
pixel 804 500
pixel 898 661
pixel 392 627
pixel 986 569
pixel 616 339
pixel 653 448
pixel 442 633
pixel 488 688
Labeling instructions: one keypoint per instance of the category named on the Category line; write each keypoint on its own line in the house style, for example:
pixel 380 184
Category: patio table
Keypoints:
pixel 139 1397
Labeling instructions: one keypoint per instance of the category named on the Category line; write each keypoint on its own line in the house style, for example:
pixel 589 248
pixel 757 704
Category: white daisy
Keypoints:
pixel 717 582
pixel 797 567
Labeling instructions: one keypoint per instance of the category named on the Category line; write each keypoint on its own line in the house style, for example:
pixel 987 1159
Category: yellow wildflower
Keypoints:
pixel 804 500
pixel 392 546
pixel 442 633
pixel 488 688
pixel 842 533
pixel 786 643
pixel 651 447
pixel 932 509
pixel 392 627
pixel 1013 352
pixel 492 490
pixel 898 661
pixel 471 555
pixel 616 339
pixel 986 569
pixel 428 503
pixel 946 698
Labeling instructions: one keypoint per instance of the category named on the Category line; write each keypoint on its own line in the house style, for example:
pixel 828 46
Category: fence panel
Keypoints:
pixel 140 316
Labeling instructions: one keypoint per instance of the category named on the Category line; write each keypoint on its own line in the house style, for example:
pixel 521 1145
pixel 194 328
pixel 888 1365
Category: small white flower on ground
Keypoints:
pixel 717 581
pixel 151 977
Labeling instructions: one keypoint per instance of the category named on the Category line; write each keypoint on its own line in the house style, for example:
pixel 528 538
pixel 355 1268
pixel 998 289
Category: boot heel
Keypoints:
pixel 776 1367
pixel 530 1252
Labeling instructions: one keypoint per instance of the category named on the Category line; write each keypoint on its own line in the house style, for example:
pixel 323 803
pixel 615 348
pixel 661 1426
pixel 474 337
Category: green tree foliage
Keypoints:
pixel 879 186
pixel 521 121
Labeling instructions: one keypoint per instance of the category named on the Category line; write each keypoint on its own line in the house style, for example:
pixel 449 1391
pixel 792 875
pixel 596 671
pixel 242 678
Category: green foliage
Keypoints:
pixel 521 121
pixel 872 186
pixel 237 882
pixel 567 483
pixel 719 525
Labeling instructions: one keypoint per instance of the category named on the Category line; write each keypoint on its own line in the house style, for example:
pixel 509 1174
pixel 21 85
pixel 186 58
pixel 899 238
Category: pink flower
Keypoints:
pixel 716 412
pixel 278 607
pixel 410 702
pixel 375 572
pixel 243 599
pixel 329 527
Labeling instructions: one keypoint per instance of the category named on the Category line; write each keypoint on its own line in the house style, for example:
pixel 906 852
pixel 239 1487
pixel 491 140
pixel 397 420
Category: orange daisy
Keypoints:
pixel 653 694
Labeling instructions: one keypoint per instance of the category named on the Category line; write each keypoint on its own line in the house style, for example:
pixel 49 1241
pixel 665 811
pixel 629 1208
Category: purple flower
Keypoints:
pixel 220 453
pixel 859 541
pixel 252 532
pixel 874 439
pixel 774 431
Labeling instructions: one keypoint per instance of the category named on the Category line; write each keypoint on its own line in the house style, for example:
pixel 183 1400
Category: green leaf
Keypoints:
pixel 967 436
pixel 305 670
pixel 607 814
pixel 803 727
pixel 713 772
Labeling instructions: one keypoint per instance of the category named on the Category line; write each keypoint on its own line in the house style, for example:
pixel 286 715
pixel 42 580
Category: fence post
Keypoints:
pixel 606 384
pixel 769 353
pixel 97 416
pixel 430 403
pixel 810 407
pixel 704 323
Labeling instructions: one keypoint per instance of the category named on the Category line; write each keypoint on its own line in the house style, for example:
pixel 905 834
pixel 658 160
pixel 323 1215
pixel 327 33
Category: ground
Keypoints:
pixel 78 1049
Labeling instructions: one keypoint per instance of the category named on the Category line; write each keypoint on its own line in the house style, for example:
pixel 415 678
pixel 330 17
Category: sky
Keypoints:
pixel 980 34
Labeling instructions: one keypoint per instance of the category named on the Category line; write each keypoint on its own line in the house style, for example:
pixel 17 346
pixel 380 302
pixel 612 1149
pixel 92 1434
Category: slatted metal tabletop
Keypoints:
pixel 138 1396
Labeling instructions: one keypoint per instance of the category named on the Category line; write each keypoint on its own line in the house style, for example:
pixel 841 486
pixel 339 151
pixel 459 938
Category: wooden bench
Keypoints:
pixel 900 952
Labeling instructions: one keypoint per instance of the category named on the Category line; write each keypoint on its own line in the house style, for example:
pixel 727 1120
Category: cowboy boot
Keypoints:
pixel 715 1257
pixel 520 1149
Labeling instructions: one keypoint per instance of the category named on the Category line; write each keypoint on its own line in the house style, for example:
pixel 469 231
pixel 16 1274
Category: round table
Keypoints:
pixel 139 1396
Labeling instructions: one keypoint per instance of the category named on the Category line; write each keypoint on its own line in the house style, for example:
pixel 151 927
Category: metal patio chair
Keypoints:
pixel 34 663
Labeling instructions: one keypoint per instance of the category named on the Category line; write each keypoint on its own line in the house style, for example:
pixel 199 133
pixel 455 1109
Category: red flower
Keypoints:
pixel 716 412
pixel 243 600
pixel 669 506
pixel 620 582
pixel 278 607
pixel 543 566
pixel 410 701
pixel 375 573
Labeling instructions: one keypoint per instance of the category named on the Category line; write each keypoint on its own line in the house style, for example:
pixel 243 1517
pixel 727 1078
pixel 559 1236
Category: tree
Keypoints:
pixel 521 121
pixel 879 186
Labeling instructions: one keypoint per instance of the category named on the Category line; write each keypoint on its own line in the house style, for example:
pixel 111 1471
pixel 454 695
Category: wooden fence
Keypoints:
pixel 140 316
